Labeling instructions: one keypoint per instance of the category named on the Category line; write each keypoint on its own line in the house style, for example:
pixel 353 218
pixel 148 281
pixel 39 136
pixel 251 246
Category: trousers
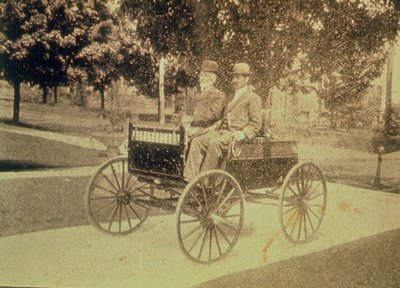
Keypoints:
pixel 206 152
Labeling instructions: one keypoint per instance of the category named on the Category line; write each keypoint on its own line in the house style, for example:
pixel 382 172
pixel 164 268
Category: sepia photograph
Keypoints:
pixel 200 143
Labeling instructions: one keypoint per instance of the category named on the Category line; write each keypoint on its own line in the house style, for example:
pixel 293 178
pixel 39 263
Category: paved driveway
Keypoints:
pixel 82 256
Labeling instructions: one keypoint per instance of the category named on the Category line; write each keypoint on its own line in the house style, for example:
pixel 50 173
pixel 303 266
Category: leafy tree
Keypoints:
pixel 115 52
pixel 40 40
pixel 14 46
pixel 335 36
pixel 100 59
pixel 50 49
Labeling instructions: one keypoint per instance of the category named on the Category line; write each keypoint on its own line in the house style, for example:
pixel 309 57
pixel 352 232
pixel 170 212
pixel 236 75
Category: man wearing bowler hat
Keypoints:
pixel 241 120
pixel 208 106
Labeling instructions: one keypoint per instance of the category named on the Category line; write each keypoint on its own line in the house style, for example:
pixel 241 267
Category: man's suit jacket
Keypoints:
pixel 244 114
pixel 209 107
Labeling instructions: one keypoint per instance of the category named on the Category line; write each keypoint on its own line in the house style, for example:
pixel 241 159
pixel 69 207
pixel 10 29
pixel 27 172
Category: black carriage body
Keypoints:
pixel 157 152
pixel 262 162
pixel 160 152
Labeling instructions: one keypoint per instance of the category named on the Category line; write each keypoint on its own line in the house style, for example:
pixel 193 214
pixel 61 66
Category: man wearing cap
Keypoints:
pixel 207 108
pixel 241 120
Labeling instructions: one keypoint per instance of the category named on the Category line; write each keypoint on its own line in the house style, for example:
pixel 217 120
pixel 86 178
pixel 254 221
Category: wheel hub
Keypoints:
pixel 124 197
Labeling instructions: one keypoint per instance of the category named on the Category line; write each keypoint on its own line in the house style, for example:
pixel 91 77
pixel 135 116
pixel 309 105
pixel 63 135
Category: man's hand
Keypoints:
pixel 239 135
pixel 192 131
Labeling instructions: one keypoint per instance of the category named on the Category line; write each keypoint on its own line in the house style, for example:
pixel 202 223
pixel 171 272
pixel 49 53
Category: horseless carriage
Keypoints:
pixel 210 208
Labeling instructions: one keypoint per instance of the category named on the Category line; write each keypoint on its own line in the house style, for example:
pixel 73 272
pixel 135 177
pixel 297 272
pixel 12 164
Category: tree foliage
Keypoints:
pixel 51 43
pixel 335 36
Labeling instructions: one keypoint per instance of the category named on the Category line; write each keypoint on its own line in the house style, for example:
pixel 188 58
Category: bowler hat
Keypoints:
pixel 209 66
pixel 241 69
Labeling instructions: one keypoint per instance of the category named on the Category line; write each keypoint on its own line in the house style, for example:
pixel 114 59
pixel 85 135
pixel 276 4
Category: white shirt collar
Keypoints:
pixel 239 93
pixel 206 89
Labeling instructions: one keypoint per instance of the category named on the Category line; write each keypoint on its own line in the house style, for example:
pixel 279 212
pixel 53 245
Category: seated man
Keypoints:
pixel 241 120
pixel 207 108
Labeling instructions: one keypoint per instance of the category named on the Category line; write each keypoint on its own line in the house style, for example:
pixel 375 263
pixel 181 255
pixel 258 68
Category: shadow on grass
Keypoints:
pixel 367 182
pixel 29 126
pixel 13 166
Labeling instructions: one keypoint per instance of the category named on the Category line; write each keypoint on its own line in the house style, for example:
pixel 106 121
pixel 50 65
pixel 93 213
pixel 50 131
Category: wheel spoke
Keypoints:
pixel 109 204
pixel 133 184
pixel 105 189
pixel 197 240
pixel 228 207
pixel 210 247
pixel 128 181
pixel 295 222
pixel 133 210
pixel 223 234
pixel 290 204
pixel 291 190
pixel 203 188
pixel 123 175
pixel 231 216
pixel 192 231
pixel 120 217
pixel 292 218
pixel 112 218
pixel 144 186
pixel 197 200
pixel 307 180
pixel 316 216
pixel 224 182
pixel 143 192
pixel 190 221
pixel 127 217
pixel 217 241
pixel 139 204
pixel 291 209
pixel 102 197
pixel 305 225
pixel 297 183
pixel 316 196
pixel 309 220
pixel 226 198
pixel 311 181
pixel 301 222
pixel 108 180
pixel 314 189
pixel 115 176
pixel 230 227
pixel 302 181
pixel 202 244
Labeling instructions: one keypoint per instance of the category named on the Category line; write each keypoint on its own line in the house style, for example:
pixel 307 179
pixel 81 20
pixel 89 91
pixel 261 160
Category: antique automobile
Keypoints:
pixel 210 208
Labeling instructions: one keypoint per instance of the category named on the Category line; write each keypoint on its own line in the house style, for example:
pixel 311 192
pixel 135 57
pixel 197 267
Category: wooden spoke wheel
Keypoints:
pixel 302 203
pixel 209 216
pixel 115 200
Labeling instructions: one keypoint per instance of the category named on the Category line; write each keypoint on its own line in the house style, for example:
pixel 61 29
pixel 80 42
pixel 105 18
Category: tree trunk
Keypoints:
pixel 102 98
pixel 55 94
pixel 80 93
pixel 17 100
pixel 389 79
pixel 45 93
pixel 161 95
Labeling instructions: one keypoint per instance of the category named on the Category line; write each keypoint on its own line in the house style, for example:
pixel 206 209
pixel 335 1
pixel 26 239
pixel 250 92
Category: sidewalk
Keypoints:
pixel 80 141
pixel 150 257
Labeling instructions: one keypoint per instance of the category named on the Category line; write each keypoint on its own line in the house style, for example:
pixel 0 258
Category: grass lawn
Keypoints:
pixel 344 156
pixel 47 203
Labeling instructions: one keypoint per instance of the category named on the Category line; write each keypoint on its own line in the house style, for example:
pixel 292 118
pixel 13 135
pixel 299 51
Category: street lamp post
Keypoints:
pixel 377 180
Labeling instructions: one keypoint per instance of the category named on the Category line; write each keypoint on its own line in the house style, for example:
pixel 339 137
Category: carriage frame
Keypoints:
pixel 209 208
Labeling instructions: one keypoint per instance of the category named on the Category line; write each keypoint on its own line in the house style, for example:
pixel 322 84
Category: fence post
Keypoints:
pixel 377 180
